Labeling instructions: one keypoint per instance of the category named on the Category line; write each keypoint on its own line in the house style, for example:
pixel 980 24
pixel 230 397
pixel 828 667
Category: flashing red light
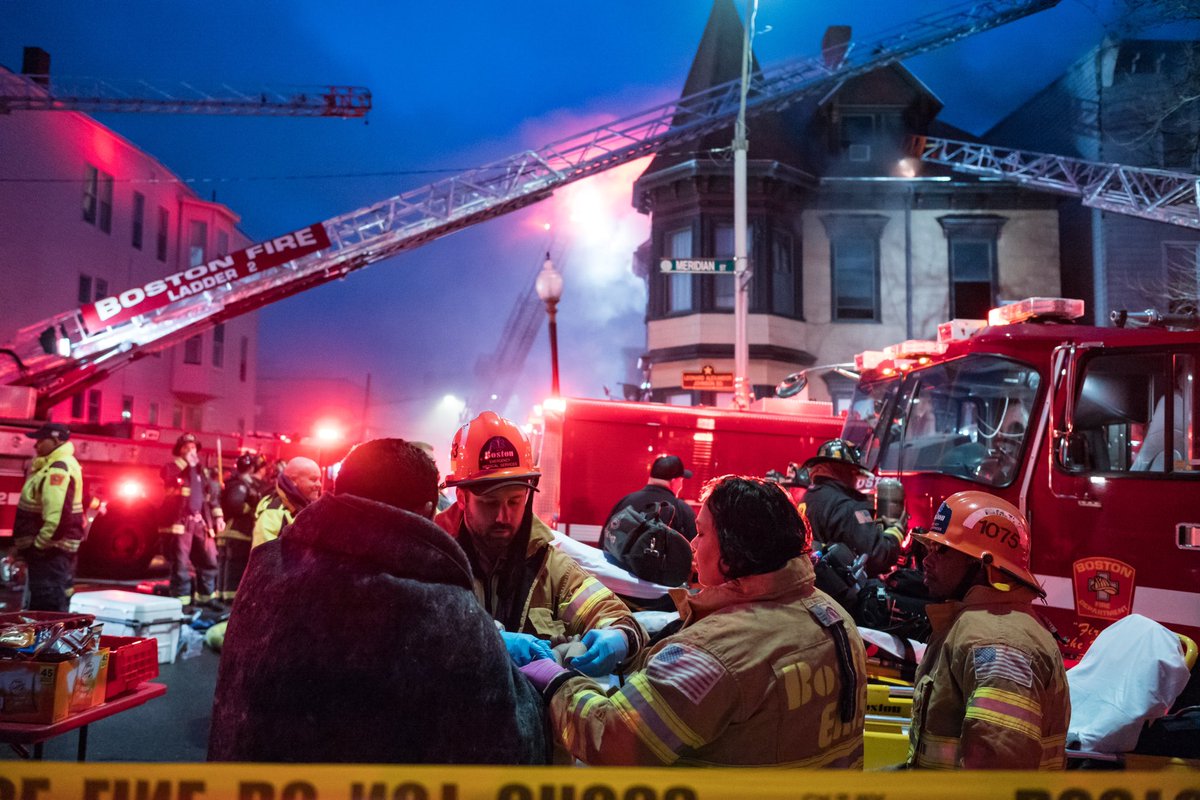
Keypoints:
pixel 131 489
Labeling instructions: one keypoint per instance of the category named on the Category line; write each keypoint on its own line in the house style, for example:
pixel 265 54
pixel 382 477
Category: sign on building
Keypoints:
pixel 708 379
pixel 697 265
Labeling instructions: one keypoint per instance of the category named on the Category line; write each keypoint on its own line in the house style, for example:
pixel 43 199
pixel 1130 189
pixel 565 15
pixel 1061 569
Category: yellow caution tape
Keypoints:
pixel 32 780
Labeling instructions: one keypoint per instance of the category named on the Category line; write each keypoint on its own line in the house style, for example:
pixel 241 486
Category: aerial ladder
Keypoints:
pixel 61 356
pixel 1154 194
pixel 25 92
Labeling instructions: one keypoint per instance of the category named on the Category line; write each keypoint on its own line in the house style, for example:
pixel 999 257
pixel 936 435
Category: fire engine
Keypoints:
pixel 61 356
pixel 594 452
pixel 1093 432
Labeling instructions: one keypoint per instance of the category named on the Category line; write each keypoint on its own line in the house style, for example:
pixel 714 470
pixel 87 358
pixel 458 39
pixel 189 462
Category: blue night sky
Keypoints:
pixel 456 84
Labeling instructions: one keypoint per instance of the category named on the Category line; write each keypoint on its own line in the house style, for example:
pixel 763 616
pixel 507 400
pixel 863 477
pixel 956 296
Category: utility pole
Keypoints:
pixel 741 275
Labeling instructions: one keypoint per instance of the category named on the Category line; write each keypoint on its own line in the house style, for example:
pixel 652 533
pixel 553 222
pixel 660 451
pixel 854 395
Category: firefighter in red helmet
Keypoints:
pixel 538 594
pixel 991 691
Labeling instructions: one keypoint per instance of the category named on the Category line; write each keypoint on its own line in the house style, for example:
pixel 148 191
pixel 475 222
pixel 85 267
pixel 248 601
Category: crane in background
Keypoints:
pixel 33 89
pixel 60 356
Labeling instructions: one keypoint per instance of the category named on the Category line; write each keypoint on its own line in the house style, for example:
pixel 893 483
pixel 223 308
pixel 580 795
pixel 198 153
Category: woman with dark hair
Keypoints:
pixel 765 669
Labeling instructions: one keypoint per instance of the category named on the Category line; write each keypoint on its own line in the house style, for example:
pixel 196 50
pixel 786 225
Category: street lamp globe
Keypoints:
pixel 549 286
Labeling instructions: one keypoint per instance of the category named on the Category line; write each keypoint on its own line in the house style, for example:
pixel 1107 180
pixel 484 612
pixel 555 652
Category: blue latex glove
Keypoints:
pixel 524 647
pixel 606 648
pixel 542 672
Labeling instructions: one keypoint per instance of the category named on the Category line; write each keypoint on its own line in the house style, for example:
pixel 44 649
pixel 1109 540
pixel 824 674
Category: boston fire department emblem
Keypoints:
pixel 1103 588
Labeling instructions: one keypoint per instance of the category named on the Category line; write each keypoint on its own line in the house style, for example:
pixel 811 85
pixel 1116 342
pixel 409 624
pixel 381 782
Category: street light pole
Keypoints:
pixel 741 275
pixel 549 286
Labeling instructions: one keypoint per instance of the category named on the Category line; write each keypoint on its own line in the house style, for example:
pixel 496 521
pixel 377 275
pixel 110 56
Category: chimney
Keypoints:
pixel 36 62
pixel 834 45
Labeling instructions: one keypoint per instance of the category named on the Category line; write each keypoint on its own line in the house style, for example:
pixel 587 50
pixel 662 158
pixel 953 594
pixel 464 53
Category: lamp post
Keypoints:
pixel 549 286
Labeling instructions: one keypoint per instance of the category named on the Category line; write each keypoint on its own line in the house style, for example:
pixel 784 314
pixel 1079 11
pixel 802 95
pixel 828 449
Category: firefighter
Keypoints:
pixel 667 474
pixel 991 691
pixel 538 594
pixel 191 517
pixel 239 500
pixel 49 523
pixel 766 669
pixel 834 510
pixel 297 485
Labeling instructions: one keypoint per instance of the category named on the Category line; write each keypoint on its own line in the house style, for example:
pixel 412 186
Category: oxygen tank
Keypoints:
pixel 889 499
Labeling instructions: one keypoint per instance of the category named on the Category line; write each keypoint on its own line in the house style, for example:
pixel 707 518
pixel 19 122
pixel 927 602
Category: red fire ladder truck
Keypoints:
pixel 63 355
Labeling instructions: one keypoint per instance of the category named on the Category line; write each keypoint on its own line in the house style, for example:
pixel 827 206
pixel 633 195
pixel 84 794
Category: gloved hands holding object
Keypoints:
pixel 606 649
pixel 541 673
pixel 524 648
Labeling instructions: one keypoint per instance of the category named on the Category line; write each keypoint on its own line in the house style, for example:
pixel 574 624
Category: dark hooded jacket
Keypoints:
pixel 357 638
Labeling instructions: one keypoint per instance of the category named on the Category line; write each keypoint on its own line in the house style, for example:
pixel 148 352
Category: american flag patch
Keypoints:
pixel 997 662
pixel 863 516
pixel 693 672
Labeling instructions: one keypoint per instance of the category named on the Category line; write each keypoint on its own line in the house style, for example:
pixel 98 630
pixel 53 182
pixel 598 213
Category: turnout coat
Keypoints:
pixel 357 638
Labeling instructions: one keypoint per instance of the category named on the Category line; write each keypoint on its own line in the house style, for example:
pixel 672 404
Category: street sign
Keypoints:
pixel 708 379
pixel 697 265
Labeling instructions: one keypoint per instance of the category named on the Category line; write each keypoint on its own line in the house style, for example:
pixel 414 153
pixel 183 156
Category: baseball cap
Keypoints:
pixel 668 468
pixel 51 430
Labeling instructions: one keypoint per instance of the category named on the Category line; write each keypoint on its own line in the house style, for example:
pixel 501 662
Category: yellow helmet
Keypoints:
pixel 988 528
pixel 491 451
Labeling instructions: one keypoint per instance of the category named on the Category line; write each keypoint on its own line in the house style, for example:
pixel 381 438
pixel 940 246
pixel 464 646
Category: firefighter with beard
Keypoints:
pixel 49 523
pixel 298 485
pixel 191 517
pixel 991 691
pixel 539 595
pixel 239 500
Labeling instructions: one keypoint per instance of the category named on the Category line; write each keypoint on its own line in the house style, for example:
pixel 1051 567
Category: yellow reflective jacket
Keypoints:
pixel 274 512
pixel 991 691
pixel 50 509
pixel 563 600
pixel 767 670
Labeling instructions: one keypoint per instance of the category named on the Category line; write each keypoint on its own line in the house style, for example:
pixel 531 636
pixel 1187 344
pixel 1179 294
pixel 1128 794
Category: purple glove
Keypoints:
pixel 541 673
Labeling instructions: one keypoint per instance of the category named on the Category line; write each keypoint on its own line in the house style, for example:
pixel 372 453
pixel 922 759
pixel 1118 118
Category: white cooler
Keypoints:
pixel 135 614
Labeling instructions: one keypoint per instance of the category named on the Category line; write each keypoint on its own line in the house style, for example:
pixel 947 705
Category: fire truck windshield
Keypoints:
pixel 967 418
pixel 869 410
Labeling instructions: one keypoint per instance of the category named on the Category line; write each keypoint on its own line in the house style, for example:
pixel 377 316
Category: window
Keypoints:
pixel 1120 415
pixel 191 350
pixel 222 243
pixel 152 417
pixel 243 358
pixel 139 218
pixel 177 416
pixel 1181 264
pixel 218 350
pixel 858 132
pixel 194 417
pixel 724 286
pixel 241 425
pixel 91 288
pixel 97 198
pixel 968 418
pixel 197 242
pixel 126 408
pixel 971 243
pixel 783 276
pixel 679 284
pixel 77 406
pixel 854 261
pixel 93 406
pixel 106 203
pixel 164 224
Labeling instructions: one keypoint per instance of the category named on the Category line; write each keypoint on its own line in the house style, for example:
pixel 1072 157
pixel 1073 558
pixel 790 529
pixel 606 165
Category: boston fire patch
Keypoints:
pixel 1103 588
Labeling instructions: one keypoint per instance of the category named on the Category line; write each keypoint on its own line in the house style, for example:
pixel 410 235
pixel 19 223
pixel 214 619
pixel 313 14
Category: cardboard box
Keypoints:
pixel 135 614
pixel 43 692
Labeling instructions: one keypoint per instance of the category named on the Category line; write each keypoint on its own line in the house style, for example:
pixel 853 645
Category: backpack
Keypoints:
pixel 639 541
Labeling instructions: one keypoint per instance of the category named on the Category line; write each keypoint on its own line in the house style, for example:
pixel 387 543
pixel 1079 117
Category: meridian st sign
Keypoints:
pixel 697 265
